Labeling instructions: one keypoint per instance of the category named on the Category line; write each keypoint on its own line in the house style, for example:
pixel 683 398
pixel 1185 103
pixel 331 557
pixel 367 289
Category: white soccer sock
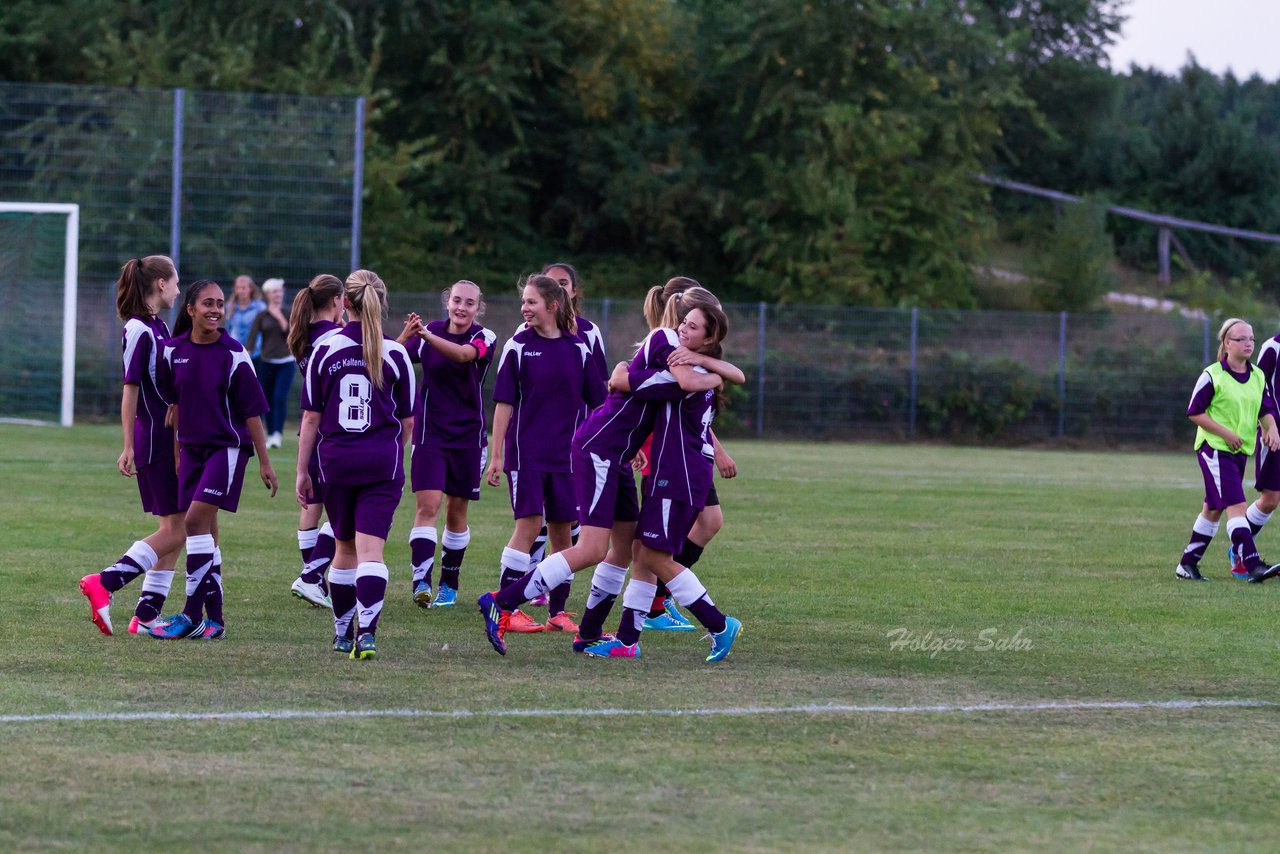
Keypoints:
pixel 199 546
pixel 307 538
pixel 605 581
pixel 1202 526
pixel 369 610
pixel 552 572
pixel 515 561
pixel 456 539
pixel 686 589
pixel 158 581
pixel 1256 517
pixel 143 555
pixel 639 595
pixel 342 592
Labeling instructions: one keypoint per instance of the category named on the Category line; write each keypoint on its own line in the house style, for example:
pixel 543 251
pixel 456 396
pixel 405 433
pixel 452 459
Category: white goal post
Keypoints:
pixel 71 263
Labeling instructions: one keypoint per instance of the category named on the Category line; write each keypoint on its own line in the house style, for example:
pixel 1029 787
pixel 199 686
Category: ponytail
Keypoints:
pixel 367 295
pixel 137 281
pixel 316 295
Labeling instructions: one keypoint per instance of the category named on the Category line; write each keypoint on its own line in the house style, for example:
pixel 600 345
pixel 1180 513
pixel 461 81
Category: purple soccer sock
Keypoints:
pixel 1242 539
pixel 453 548
pixel 635 607
pixel 558 597
pixel 342 593
pixel 200 553
pixel 371 590
pixel 514 565
pixel 1202 533
pixel 422 553
pixel 689 593
pixel 155 590
pixel 213 590
pixel 321 558
pixel 135 562
pixel 606 584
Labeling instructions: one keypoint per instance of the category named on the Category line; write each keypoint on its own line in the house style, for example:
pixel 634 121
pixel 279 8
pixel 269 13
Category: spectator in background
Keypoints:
pixel 245 304
pixel 269 340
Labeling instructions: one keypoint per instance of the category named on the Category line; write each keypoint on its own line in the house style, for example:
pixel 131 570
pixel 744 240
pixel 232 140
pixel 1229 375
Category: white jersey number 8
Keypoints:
pixel 353 412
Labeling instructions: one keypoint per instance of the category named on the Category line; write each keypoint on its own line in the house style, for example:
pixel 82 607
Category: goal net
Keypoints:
pixel 38 261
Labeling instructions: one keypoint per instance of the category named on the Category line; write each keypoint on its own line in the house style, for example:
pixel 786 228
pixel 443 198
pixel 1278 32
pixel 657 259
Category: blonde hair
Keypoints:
pixel 1222 335
pixel 367 295
pixel 448 292
pixel 273 285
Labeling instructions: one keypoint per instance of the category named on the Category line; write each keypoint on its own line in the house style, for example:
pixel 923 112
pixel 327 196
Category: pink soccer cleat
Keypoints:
pixel 99 602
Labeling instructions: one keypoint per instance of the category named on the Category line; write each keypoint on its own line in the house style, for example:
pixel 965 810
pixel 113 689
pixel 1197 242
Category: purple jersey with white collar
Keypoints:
pixel 141 343
pixel 215 388
pixel 360 431
pixel 547 381
pixel 449 412
pixel 316 332
pixel 616 429
pixel 682 456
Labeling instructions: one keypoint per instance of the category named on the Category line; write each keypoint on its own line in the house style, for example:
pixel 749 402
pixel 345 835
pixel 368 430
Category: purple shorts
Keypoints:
pixel 158 487
pixel 453 471
pixel 532 492
pixel 212 474
pixel 1266 469
pixel 1223 474
pixel 365 508
pixel 664 524
pixel 317 485
pixel 606 491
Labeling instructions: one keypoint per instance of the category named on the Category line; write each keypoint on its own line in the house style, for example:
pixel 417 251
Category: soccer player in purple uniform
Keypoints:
pixel 448 437
pixel 603 449
pixel 1266 463
pixel 146 287
pixel 316 315
pixel 1230 401
pixel 208 377
pixel 675 494
pixel 545 377
pixel 357 406
pixel 557 619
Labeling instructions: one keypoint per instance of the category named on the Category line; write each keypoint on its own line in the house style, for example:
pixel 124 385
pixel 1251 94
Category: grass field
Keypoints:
pixel 1011 578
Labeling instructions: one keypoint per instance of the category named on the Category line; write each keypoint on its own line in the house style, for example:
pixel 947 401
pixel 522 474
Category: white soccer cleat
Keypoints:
pixel 312 593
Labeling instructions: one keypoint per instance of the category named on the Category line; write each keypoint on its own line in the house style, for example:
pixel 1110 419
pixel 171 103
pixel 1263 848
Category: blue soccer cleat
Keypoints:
pixel 670 620
pixel 495 621
pixel 1237 565
pixel 343 644
pixel 722 642
pixel 580 643
pixel 209 630
pixel 422 594
pixel 610 647
pixel 446 597
pixel 174 628
pixel 364 648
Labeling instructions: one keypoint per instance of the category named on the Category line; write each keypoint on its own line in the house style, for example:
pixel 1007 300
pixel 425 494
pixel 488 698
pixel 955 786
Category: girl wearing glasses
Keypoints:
pixel 1230 400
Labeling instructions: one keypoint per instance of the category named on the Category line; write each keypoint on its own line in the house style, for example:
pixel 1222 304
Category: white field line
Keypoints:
pixel 741 711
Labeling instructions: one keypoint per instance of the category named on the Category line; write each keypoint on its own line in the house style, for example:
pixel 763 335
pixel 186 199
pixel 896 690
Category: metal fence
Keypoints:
pixel 823 372
pixel 267 185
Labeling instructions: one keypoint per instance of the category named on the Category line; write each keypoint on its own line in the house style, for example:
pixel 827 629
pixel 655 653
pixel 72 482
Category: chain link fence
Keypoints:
pixel 266 185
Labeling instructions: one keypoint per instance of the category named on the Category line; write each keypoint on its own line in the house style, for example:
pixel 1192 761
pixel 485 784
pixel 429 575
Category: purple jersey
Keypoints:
pixel 547 381
pixel 360 425
pixel 215 388
pixel 141 342
pixel 316 332
pixel 616 430
pixel 682 457
pixel 449 412
pixel 1269 361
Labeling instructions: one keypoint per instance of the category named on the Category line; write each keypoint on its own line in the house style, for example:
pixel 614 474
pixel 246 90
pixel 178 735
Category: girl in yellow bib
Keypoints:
pixel 1230 401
